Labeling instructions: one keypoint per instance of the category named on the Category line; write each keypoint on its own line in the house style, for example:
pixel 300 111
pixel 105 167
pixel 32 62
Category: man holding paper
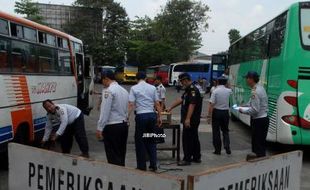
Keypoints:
pixel 257 108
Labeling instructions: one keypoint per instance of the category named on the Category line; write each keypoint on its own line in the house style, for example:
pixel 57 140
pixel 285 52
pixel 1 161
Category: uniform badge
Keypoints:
pixel 106 95
pixel 193 93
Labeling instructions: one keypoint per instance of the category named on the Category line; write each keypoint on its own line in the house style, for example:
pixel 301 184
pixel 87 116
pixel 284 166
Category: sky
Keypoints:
pixel 244 15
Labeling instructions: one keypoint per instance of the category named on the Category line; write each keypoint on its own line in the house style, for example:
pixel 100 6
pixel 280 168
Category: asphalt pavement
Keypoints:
pixel 240 145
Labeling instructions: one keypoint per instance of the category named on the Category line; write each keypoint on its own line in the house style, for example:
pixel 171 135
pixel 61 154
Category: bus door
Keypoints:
pixel 82 100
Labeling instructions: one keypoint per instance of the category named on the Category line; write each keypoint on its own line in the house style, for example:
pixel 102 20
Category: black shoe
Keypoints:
pixel 196 161
pixel 153 168
pixel 184 163
pixel 228 151
pixel 250 157
pixel 217 152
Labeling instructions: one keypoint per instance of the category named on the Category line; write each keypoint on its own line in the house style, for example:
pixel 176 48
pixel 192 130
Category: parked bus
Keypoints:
pixel 157 70
pixel 126 73
pixel 280 52
pixel 36 63
pixel 197 70
pixel 219 64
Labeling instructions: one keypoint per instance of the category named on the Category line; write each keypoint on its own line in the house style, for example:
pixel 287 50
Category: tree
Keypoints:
pixel 28 8
pixel 180 23
pixel 107 47
pixel 233 35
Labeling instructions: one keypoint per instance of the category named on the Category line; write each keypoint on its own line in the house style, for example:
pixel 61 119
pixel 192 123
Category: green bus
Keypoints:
pixel 280 52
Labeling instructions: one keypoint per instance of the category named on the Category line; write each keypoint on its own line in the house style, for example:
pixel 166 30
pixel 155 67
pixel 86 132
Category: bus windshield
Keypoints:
pixel 305 26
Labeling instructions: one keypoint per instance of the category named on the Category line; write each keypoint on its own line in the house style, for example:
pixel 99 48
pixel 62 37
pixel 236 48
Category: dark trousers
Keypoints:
pixel 220 122
pixel 76 129
pixel 191 144
pixel 145 123
pixel 259 134
pixel 115 143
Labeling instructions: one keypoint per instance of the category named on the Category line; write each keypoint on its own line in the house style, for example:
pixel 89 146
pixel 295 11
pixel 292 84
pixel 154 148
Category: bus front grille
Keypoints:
pixel 304 73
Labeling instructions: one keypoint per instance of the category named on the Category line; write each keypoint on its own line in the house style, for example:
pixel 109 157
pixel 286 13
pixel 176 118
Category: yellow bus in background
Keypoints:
pixel 126 74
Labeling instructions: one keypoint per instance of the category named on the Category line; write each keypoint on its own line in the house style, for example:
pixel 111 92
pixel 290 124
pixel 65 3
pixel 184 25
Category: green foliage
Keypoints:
pixel 28 8
pixel 233 35
pixel 174 34
pixel 107 44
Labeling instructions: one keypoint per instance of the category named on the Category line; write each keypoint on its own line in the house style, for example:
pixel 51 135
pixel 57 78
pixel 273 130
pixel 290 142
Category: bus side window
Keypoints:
pixel 64 62
pixel 23 57
pixel 277 36
pixel 4 62
pixel 4 29
pixel 48 60
pixel 17 30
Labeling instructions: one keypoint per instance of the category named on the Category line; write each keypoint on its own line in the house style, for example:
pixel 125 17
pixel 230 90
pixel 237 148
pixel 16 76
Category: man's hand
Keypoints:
pixel 168 109
pixel 159 122
pixel 209 119
pixel 187 123
pixel 99 135
pixel 54 137
pixel 240 110
pixel 42 144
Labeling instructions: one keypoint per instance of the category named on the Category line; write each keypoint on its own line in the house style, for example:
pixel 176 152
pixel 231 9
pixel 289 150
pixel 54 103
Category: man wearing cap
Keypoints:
pixel 143 98
pixel 112 126
pixel 258 110
pixel 68 121
pixel 219 112
pixel 161 91
pixel 191 106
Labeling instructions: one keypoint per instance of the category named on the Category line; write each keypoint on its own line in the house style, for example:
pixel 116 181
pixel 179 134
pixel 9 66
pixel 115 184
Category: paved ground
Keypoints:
pixel 240 144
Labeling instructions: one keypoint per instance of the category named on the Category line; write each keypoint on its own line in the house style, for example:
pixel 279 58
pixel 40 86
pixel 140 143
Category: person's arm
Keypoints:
pixel 254 106
pixel 63 122
pixel 47 131
pixel 163 99
pixel 159 110
pixel 131 103
pixel 190 111
pixel 105 110
pixel 175 104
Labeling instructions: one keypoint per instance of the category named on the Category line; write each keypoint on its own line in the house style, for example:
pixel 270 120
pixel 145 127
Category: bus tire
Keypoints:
pixel 233 117
pixel 22 134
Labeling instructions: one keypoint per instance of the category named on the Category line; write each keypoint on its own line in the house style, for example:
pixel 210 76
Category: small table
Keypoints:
pixel 176 134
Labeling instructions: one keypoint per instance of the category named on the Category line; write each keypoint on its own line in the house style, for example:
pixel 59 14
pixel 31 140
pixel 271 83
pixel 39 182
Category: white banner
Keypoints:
pixel 36 169
pixel 280 172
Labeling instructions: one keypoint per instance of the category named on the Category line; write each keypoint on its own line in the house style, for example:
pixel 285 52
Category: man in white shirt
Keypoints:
pixel 143 97
pixel 112 125
pixel 70 121
pixel 161 91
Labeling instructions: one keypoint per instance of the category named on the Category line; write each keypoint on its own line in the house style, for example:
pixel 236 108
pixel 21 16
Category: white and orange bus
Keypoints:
pixel 37 63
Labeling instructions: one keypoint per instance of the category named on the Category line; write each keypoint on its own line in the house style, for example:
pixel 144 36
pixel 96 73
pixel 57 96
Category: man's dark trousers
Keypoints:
pixel 145 123
pixel 115 143
pixel 76 129
pixel 220 122
pixel 190 142
pixel 259 134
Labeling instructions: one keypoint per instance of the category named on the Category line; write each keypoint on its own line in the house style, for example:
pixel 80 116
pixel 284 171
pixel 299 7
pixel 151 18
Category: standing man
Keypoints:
pixel 191 102
pixel 161 91
pixel 143 97
pixel 70 121
pixel 258 110
pixel 219 112
pixel 112 125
